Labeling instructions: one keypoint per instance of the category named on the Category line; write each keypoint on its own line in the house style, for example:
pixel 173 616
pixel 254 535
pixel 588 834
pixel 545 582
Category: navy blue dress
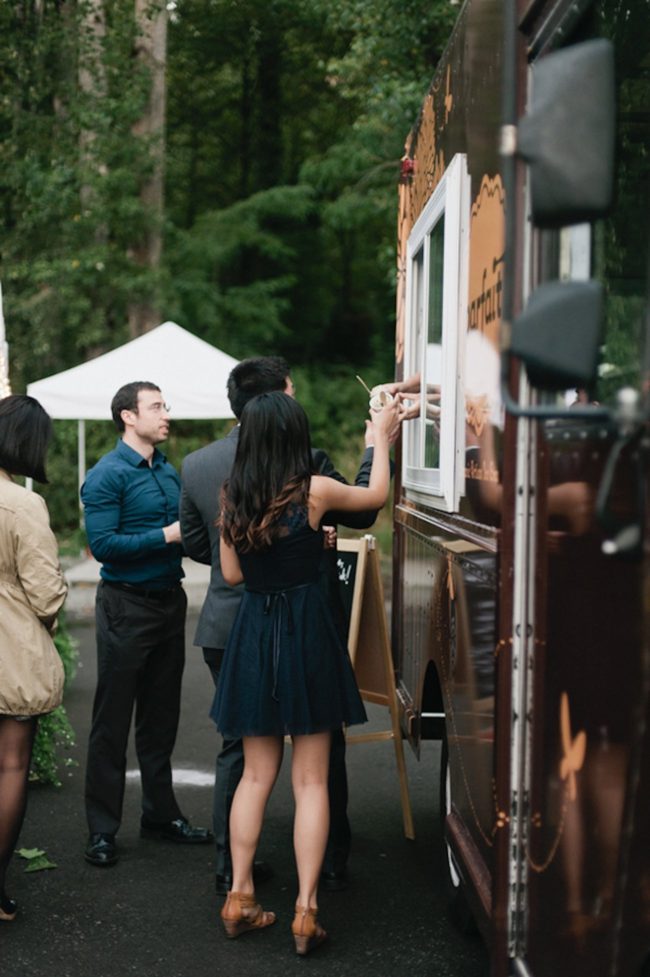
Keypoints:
pixel 285 669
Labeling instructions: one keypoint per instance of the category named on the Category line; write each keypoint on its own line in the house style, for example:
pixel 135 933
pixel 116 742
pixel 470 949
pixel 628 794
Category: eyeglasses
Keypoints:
pixel 158 408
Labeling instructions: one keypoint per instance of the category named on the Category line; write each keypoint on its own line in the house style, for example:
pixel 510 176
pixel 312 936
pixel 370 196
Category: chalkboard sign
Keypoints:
pixel 346 568
pixel 362 594
pixel 351 558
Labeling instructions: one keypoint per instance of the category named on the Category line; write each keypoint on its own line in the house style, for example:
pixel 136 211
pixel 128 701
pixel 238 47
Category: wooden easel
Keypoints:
pixel 369 646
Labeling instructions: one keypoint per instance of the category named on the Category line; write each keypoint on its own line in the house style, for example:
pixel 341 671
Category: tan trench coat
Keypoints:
pixel 32 591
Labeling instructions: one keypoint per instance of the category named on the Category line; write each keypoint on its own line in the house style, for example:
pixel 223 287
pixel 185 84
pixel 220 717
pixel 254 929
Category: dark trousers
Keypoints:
pixel 228 770
pixel 140 659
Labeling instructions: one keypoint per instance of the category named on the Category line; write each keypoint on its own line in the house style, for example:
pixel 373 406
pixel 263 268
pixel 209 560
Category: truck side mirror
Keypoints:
pixel 558 335
pixel 568 136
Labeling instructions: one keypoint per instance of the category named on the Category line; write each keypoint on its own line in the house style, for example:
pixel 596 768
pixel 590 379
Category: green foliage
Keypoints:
pixel 237 269
pixel 285 127
pixel 55 733
pixel 621 241
pixel 71 169
pixel 37 860
pixel 315 98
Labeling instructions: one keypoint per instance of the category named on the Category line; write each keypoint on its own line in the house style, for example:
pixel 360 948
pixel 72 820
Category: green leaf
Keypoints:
pixel 37 860
pixel 30 853
pixel 40 864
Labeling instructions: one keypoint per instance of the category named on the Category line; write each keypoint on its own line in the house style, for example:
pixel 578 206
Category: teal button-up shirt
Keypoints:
pixel 126 504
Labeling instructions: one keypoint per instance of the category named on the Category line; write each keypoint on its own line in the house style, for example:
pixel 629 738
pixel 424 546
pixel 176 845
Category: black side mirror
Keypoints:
pixel 568 136
pixel 558 335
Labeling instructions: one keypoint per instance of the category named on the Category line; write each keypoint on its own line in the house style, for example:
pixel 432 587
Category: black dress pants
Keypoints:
pixel 229 768
pixel 140 660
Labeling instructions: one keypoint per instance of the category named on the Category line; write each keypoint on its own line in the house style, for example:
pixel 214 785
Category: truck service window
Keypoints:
pixel 436 313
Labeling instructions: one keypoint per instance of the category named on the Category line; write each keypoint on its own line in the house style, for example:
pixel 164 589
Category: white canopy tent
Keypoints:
pixel 191 374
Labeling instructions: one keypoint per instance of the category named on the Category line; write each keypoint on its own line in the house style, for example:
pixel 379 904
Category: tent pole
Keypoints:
pixel 81 463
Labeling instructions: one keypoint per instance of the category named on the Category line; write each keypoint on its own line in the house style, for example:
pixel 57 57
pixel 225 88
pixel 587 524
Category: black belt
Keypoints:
pixel 151 593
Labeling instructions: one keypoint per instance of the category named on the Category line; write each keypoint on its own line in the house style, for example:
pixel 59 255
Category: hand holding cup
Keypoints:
pixel 380 398
pixel 386 420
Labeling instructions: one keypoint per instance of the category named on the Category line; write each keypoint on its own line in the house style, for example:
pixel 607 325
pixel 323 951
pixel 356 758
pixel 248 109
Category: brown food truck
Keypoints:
pixel 521 594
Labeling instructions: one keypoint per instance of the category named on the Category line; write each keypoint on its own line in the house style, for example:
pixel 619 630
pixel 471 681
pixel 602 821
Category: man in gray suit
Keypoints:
pixel 202 476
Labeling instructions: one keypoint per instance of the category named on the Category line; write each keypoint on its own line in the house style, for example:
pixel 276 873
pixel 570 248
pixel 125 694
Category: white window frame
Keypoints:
pixel 440 487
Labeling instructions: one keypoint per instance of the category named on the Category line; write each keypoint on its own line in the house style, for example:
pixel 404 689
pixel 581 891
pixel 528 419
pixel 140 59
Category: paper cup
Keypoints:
pixel 380 400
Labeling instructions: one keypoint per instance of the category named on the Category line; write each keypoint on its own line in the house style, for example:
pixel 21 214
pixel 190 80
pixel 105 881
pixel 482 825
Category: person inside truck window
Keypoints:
pixel 408 395
pixel 570 499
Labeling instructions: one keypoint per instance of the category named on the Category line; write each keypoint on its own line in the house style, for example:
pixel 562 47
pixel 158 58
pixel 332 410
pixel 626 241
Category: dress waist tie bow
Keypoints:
pixel 274 605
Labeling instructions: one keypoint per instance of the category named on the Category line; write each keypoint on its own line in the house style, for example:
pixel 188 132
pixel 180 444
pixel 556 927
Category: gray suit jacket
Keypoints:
pixel 202 475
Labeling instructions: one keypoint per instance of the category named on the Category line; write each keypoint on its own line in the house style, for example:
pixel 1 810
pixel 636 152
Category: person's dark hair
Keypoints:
pixel 255 376
pixel 25 432
pixel 126 398
pixel 272 468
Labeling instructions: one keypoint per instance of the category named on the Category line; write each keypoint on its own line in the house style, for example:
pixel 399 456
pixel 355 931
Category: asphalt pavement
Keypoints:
pixel 155 913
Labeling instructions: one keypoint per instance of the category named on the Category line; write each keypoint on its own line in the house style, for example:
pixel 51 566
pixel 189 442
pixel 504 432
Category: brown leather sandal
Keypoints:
pixel 307 932
pixel 240 914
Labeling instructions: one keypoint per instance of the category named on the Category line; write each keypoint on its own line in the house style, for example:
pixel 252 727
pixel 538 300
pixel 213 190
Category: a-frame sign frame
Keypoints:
pixel 369 647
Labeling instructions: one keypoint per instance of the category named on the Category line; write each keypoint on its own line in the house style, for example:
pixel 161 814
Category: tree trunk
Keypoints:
pixel 151 19
pixel 246 121
pixel 92 83
pixel 268 107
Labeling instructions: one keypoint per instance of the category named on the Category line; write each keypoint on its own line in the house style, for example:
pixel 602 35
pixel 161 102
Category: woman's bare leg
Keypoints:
pixel 309 772
pixel 16 743
pixel 262 759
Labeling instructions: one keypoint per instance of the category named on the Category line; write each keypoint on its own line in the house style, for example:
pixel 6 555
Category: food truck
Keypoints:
pixel 521 570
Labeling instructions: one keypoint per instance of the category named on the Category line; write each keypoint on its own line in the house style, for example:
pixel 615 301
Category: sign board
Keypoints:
pixel 351 560
pixel 362 594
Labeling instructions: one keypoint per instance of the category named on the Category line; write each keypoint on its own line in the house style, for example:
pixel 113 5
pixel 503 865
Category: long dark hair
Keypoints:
pixel 272 468
pixel 25 432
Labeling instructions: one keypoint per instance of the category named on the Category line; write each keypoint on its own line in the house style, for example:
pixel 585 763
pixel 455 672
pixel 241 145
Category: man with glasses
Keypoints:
pixel 130 502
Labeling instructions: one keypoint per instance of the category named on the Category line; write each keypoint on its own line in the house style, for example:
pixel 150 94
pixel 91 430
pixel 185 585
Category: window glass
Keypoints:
pixel 417 326
pixel 433 360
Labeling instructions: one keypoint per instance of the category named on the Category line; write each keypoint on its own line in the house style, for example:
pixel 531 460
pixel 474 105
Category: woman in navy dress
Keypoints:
pixel 285 670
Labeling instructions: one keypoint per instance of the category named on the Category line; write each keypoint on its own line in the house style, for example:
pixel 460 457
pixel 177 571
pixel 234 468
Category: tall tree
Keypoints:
pixel 72 168
pixel 151 50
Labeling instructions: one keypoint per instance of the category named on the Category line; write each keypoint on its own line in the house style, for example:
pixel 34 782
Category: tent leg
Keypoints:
pixel 81 464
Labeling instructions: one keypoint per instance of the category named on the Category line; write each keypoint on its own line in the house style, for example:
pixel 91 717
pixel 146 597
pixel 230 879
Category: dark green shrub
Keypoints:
pixel 55 734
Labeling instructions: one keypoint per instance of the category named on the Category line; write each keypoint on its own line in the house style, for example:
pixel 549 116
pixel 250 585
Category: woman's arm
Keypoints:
pixel 230 568
pixel 323 466
pixel 37 560
pixel 327 493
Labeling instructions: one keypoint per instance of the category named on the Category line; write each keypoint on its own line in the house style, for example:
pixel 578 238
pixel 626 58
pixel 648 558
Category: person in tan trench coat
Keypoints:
pixel 32 591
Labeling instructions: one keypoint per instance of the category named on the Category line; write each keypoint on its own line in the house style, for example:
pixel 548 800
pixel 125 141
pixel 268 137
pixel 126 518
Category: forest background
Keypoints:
pixel 231 165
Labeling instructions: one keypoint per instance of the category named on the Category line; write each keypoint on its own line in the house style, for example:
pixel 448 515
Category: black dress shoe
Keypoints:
pixel 334 881
pixel 180 831
pixel 262 872
pixel 100 850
